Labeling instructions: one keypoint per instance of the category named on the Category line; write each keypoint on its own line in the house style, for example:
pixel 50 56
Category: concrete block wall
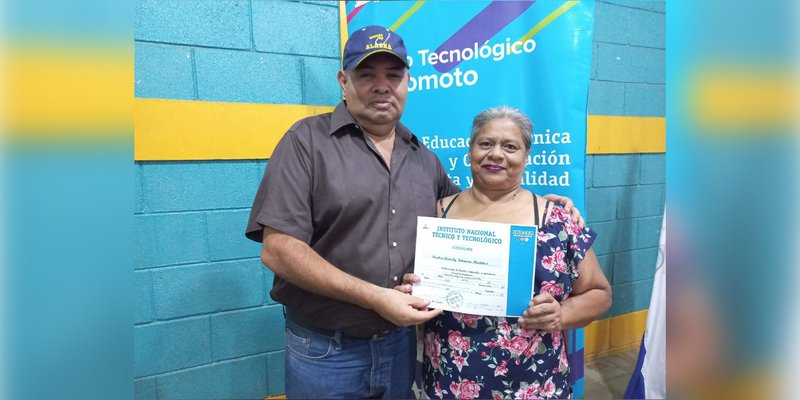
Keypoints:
pixel 625 192
pixel 205 326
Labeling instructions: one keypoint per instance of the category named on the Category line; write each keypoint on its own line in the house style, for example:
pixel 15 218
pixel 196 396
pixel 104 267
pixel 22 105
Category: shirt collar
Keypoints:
pixel 341 117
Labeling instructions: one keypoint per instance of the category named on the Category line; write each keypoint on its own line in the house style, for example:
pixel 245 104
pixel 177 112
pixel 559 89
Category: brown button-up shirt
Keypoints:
pixel 327 185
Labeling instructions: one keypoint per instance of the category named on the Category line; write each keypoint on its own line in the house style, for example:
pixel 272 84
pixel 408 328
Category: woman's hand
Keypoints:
pixel 543 313
pixel 408 280
pixel 573 211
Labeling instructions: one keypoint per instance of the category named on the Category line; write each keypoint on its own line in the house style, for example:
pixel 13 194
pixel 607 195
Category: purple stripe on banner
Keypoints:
pixel 481 28
pixel 575 366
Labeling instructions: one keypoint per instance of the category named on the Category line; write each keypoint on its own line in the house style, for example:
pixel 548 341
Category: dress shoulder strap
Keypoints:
pixel 450 204
pixel 535 209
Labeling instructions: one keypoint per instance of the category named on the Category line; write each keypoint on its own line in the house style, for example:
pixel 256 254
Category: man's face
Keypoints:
pixel 376 90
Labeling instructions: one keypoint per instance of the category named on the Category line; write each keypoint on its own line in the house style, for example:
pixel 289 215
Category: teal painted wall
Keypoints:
pixel 205 326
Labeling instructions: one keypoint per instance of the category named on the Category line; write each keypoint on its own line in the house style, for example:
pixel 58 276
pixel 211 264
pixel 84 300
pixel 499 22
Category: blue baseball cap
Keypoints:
pixel 370 40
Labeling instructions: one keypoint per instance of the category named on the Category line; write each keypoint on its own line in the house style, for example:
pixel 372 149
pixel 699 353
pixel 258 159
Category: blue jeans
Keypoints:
pixel 337 367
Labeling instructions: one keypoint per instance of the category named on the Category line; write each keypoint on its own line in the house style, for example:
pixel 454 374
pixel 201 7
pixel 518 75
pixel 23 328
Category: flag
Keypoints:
pixel 648 379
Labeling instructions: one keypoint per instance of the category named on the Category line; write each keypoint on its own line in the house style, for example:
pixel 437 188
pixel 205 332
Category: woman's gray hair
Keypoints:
pixel 490 114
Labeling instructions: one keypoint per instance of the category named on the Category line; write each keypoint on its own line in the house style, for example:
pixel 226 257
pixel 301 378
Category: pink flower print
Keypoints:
pixel 518 346
pixel 556 339
pixel 491 344
pixel 496 395
pixel 504 343
pixel 504 328
pixel 455 389
pixel 458 342
pixel 563 362
pixel 469 390
pixel 575 247
pixel 543 237
pixel 559 214
pixel 501 369
pixel 572 228
pixel 438 391
pixel 469 320
pixel 552 288
pixel 460 362
pixel 433 348
pixel 558 260
pixel 528 392
pixel 533 348
pixel 548 263
pixel 548 389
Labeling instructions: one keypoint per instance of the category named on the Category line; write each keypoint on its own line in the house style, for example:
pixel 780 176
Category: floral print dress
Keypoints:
pixel 472 356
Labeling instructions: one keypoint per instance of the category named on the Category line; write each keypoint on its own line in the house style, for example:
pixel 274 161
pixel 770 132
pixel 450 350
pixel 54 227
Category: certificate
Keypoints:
pixel 475 267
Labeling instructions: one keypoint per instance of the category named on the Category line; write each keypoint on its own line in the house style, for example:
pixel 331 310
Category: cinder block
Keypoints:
pixel 319 81
pixel 329 3
pixel 615 170
pixel 612 23
pixel 607 265
pixel 653 168
pixel 644 100
pixel 615 236
pixel 240 379
pixel 621 63
pixel 138 193
pixel 601 204
pixel 647 29
pixel 632 266
pixel 589 170
pixel 275 373
pixel 606 98
pixel 640 201
pixel 166 239
pixel 637 4
pixel 221 23
pixel 144 389
pixel 163 72
pixel 649 231
pixel 630 297
pixel 655 66
pixel 247 77
pixel 248 332
pixel 296 28
pixel 143 301
pixel 226 238
pixel 199 185
pixel 169 346
pixel 595 62
pixel 206 288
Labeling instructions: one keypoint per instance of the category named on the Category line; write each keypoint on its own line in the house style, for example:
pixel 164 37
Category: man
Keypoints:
pixel 336 213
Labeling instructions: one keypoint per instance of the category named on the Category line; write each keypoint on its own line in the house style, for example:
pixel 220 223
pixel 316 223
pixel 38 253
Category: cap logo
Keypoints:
pixel 380 42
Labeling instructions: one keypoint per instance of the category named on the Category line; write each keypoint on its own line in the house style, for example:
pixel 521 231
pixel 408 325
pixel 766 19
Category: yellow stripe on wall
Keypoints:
pixel 607 134
pixel 614 334
pixel 201 130
pixel 67 89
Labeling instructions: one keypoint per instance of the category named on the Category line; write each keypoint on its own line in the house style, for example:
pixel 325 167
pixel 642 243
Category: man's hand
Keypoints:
pixel 408 281
pixel 403 309
pixel 544 314
pixel 573 211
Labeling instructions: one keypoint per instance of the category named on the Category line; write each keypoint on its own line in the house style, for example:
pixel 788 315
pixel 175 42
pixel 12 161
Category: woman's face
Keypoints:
pixel 498 155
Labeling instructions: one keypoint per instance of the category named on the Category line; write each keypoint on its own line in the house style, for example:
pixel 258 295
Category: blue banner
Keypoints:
pixel 469 56
pixel 472 55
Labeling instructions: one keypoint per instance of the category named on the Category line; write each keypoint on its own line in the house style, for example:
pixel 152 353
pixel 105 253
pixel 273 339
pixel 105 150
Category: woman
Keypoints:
pixel 470 356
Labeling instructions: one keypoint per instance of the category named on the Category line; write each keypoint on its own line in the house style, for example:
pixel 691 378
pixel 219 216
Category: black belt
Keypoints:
pixel 305 323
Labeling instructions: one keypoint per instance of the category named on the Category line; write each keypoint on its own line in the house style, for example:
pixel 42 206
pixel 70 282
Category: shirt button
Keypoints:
pixel 394 211
pixel 394 279
pixel 394 244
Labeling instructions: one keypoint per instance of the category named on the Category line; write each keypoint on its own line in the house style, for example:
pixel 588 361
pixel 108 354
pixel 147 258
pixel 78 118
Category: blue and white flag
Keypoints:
pixel 648 379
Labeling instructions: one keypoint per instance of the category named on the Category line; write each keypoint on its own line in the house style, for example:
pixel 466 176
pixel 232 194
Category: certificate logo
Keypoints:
pixel 523 235
pixel 455 299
